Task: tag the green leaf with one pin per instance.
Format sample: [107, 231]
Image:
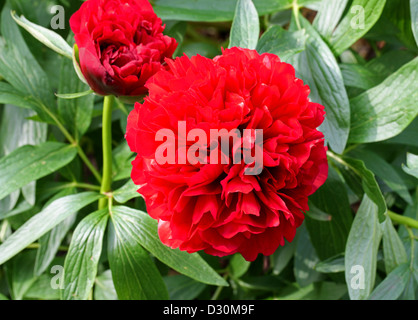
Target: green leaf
[386, 110]
[104, 288]
[83, 256]
[385, 172]
[245, 28]
[21, 69]
[49, 38]
[334, 264]
[393, 285]
[360, 18]
[12, 96]
[282, 43]
[305, 260]
[329, 237]
[183, 288]
[318, 67]
[356, 173]
[361, 251]
[411, 167]
[359, 76]
[134, 273]
[281, 258]
[49, 244]
[414, 18]
[20, 274]
[71, 96]
[41, 289]
[144, 230]
[29, 163]
[44, 221]
[328, 16]
[393, 249]
[239, 266]
[127, 192]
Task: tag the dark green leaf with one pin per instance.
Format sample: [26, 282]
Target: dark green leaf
[134, 273]
[83, 256]
[44, 221]
[183, 288]
[359, 76]
[281, 258]
[329, 237]
[144, 230]
[29, 163]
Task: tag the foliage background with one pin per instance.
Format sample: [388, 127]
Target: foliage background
[365, 215]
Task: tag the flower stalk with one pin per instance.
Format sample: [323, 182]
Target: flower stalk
[107, 149]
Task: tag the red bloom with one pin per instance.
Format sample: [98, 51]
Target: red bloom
[121, 45]
[216, 207]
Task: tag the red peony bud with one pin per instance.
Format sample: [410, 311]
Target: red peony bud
[120, 44]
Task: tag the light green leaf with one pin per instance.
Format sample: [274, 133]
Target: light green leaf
[386, 110]
[359, 76]
[414, 18]
[305, 260]
[71, 96]
[411, 167]
[44, 221]
[239, 266]
[104, 288]
[328, 16]
[281, 258]
[334, 264]
[245, 28]
[144, 230]
[282, 43]
[29, 163]
[393, 249]
[83, 256]
[318, 68]
[360, 18]
[48, 37]
[41, 289]
[393, 285]
[127, 192]
[134, 273]
[21, 69]
[361, 251]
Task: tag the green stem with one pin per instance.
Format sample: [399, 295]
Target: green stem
[397, 218]
[219, 289]
[73, 141]
[107, 149]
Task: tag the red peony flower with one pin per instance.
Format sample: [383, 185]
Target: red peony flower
[121, 45]
[218, 207]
